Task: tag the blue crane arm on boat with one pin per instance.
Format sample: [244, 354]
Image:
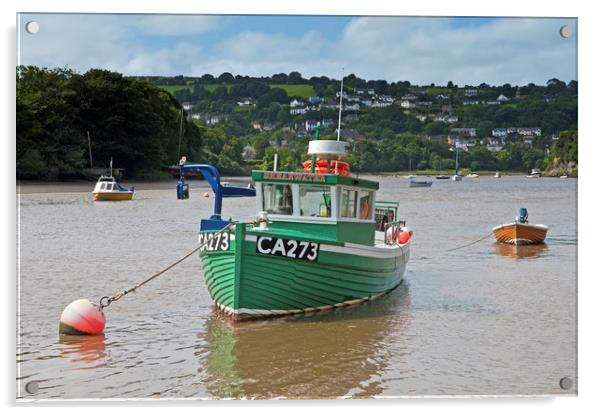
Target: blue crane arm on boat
[211, 174]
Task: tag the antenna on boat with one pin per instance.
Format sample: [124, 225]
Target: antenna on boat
[111, 167]
[340, 106]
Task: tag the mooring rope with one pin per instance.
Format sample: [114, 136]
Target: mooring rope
[106, 300]
[472, 243]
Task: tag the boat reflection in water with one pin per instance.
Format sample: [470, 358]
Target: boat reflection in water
[324, 355]
[521, 251]
[84, 350]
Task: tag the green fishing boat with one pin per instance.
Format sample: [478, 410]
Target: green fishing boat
[319, 240]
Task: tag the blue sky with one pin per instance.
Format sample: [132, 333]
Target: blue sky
[419, 49]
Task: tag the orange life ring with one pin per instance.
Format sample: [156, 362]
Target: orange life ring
[338, 164]
[336, 167]
[319, 163]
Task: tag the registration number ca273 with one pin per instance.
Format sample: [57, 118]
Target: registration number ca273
[289, 248]
[214, 241]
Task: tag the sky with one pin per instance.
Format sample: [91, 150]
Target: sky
[422, 50]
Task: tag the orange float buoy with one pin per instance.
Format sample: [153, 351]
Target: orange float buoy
[206, 194]
[404, 237]
[82, 317]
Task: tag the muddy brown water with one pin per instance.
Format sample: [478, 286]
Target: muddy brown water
[486, 319]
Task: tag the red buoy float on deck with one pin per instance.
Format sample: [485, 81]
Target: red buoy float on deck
[82, 317]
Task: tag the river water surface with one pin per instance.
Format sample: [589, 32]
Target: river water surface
[487, 319]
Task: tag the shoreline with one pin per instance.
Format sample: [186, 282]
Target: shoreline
[27, 187]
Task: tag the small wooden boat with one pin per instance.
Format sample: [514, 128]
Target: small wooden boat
[107, 189]
[420, 183]
[520, 232]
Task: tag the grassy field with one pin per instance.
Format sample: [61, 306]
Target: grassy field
[213, 87]
[293, 90]
[296, 90]
[210, 87]
[173, 88]
[439, 90]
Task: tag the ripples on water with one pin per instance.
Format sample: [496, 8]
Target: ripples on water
[487, 319]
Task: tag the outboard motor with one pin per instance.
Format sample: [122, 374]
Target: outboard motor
[523, 216]
[182, 189]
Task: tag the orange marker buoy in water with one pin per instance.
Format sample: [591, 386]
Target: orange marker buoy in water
[82, 317]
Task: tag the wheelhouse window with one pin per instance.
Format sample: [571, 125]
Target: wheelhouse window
[315, 201]
[277, 198]
[348, 203]
[365, 204]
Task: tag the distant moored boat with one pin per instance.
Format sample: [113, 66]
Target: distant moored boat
[107, 189]
[420, 183]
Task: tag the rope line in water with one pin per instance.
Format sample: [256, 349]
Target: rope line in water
[472, 243]
[106, 301]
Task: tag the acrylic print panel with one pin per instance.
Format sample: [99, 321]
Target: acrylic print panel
[303, 283]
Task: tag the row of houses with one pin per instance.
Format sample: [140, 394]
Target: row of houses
[446, 118]
[464, 138]
[209, 119]
[523, 131]
[493, 144]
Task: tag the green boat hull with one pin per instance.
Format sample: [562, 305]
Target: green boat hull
[246, 284]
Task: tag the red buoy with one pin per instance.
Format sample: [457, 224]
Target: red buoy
[206, 194]
[82, 317]
[404, 237]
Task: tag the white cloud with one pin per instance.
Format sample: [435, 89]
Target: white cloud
[175, 25]
[421, 50]
[115, 42]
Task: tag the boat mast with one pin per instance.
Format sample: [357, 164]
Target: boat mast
[180, 138]
[340, 106]
[90, 148]
[456, 158]
[111, 167]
